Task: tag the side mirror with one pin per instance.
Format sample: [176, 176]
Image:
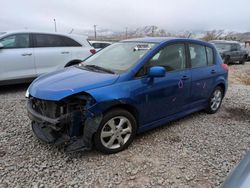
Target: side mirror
[157, 71]
[1, 45]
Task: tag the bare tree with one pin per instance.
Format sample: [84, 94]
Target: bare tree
[187, 34]
[213, 35]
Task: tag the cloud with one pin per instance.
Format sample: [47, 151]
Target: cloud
[116, 15]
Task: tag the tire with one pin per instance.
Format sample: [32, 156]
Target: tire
[112, 136]
[243, 60]
[215, 100]
[226, 60]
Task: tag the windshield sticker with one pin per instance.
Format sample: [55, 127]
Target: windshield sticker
[142, 47]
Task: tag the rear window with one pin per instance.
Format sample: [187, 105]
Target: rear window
[222, 46]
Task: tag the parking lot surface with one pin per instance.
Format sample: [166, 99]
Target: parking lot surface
[195, 151]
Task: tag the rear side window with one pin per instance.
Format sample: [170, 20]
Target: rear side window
[171, 57]
[210, 56]
[197, 55]
[16, 41]
[70, 42]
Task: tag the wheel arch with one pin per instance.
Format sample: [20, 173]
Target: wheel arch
[128, 107]
[223, 87]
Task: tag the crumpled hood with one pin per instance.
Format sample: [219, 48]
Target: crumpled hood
[60, 84]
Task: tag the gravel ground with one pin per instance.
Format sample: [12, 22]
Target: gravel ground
[196, 151]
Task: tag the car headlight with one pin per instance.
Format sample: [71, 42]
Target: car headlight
[27, 94]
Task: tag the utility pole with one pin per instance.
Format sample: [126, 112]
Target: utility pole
[126, 33]
[55, 24]
[95, 31]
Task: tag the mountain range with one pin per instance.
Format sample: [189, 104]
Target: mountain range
[152, 30]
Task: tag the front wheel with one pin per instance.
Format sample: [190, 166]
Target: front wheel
[243, 60]
[116, 131]
[215, 100]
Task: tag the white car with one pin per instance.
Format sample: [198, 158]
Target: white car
[98, 45]
[26, 55]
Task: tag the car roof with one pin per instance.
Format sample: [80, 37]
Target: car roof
[105, 42]
[79, 38]
[149, 39]
[224, 41]
[164, 39]
[42, 32]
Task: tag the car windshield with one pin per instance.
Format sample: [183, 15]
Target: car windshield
[222, 47]
[118, 57]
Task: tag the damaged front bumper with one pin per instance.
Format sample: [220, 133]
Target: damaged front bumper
[67, 123]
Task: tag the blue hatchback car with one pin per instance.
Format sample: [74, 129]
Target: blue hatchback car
[129, 87]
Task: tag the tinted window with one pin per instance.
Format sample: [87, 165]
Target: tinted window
[171, 57]
[238, 47]
[44, 40]
[210, 56]
[197, 55]
[16, 41]
[233, 47]
[222, 46]
[96, 45]
[70, 42]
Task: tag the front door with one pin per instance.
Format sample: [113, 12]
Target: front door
[163, 96]
[16, 58]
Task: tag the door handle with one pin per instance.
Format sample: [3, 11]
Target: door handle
[64, 52]
[185, 78]
[27, 54]
[213, 71]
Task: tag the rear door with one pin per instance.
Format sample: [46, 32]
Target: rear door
[204, 72]
[51, 52]
[17, 57]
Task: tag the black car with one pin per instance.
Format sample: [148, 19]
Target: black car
[230, 51]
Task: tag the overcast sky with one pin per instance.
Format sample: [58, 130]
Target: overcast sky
[171, 15]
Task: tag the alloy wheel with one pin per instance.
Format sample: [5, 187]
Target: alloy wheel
[116, 132]
[216, 99]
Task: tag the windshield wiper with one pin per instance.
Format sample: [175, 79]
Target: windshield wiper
[100, 68]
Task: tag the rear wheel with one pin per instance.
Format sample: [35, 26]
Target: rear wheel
[116, 131]
[226, 60]
[215, 100]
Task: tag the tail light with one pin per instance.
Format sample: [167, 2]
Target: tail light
[93, 51]
[224, 66]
